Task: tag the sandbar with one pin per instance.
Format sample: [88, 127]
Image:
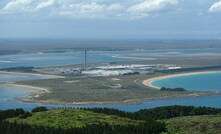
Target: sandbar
[133, 57]
[35, 74]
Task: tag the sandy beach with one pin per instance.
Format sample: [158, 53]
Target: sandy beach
[26, 86]
[149, 81]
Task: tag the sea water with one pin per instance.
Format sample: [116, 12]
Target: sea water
[196, 82]
[10, 93]
[69, 58]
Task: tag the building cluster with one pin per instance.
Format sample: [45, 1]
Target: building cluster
[110, 70]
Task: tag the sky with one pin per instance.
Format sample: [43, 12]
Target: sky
[132, 19]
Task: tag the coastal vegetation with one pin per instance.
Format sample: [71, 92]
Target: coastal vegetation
[99, 90]
[160, 113]
[39, 109]
[203, 124]
[172, 89]
[171, 119]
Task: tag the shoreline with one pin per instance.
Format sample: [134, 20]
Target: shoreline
[126, 102]
[35, 74]
[31, 94]
[148, 82]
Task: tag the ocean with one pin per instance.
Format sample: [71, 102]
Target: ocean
[196, 82]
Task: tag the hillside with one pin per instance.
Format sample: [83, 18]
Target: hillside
[72, 118]
[162, 120]
[204, 124]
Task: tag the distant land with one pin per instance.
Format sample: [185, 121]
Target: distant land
[29, 45]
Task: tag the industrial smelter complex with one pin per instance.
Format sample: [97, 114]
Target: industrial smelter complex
[110, 69]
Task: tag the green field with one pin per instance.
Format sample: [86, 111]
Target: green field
[204, 124]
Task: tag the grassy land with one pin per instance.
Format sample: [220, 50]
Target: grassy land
[69, 118]
[206, 124]
[101, 90]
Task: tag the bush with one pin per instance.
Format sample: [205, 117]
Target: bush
[25, 115]
[39, 109]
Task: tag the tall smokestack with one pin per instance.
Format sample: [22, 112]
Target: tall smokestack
[85, 60]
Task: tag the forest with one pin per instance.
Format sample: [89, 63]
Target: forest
[150, 118]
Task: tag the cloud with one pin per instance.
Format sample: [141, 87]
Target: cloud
[16, 5]
[82, 10]
[144, 8]
[75, 9]
[152, 5]
[45, 4]
[216, 7]
[90, 10]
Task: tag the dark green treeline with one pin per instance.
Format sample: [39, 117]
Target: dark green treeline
[151, 126]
